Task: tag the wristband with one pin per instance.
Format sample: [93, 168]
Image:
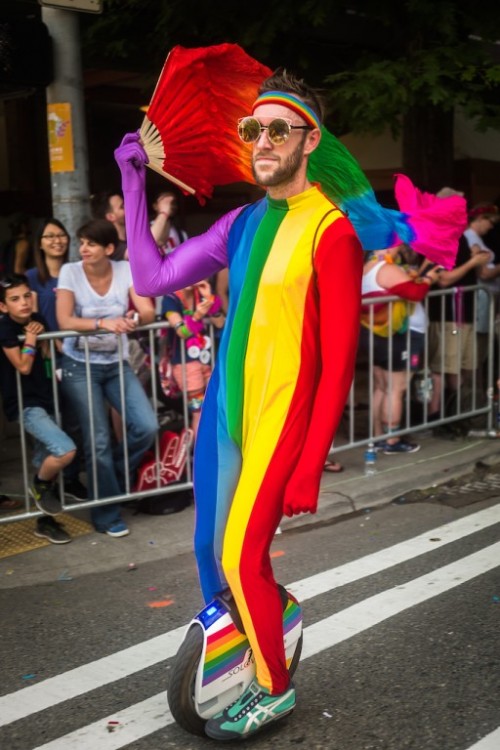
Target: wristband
[184, 330]
[97, 321]
[27, 349]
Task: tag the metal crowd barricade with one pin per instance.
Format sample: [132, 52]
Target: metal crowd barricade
[349, 435]
[152, 330]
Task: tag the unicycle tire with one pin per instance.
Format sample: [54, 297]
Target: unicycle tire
[180, 692]
[296, 657]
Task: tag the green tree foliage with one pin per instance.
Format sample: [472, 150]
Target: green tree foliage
[377, 59]
[443, 57]
[407, 65]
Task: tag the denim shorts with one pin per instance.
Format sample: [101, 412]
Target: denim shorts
[49, 439]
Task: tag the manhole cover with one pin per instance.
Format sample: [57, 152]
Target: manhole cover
[481, 484]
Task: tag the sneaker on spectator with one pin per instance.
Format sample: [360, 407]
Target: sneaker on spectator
[400, 447]
[117, 529]
[48, 528]
[255, 708]
[46, 498]
[75, 489]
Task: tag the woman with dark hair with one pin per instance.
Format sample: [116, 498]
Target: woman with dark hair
[51, 252]
[93, 296]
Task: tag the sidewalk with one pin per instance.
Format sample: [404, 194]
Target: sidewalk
[156, 538]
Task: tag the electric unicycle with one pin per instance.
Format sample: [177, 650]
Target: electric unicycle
[215, 664]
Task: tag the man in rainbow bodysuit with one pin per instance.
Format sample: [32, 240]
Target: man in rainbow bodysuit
[284, 369]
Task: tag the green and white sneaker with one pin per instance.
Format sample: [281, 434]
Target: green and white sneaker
[253, 710]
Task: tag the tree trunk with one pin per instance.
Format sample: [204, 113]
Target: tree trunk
[428, 147]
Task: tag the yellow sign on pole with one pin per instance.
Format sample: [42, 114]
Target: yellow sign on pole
[60, 129]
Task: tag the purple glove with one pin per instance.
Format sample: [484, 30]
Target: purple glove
[132, 159]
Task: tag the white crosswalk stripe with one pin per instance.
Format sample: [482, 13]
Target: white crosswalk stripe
[490, 742]
[323, 634]
[148, 716]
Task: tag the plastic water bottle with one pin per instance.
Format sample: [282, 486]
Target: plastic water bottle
[370, 460]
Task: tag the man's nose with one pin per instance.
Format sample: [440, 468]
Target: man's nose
[263, 139]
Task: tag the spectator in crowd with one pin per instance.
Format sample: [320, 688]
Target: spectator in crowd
[93, 295]
[109, 205]
[51, 245]
[53, 449]
[51, 251]
[482, 219]
[451, 354]
[188, 312]
[222, 288]
[383, 276]
[492, 237]
[165, 227]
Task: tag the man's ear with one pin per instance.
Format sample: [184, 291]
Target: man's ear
[312, 141]
[3, 307]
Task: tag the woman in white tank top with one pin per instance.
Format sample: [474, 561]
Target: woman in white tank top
[382, 276]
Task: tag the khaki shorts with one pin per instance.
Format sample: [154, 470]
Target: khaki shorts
[445, 341]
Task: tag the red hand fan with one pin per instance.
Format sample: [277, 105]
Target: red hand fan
[190, 129]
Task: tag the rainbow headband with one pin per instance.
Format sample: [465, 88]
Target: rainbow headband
[290, 101]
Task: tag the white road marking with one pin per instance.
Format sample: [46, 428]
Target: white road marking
[369, 612]
[490, 742]
[318, 637]
[80, 680]
[70, 684]
[133, 723]
[320, 583]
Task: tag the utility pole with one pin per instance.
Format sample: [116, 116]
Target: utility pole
[70, 182]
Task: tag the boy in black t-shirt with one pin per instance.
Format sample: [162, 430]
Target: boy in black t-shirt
[53, 449]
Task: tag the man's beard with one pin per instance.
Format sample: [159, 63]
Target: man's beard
[285, 172]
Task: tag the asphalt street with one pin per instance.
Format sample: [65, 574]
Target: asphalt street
[401, 645]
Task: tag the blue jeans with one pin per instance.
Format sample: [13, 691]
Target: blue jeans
[138, 417]
[49, 439]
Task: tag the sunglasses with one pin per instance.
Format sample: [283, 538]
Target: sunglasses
[278, 130]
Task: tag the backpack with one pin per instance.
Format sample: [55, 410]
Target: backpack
[168, 470]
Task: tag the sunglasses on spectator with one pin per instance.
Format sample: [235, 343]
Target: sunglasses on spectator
[278, 130]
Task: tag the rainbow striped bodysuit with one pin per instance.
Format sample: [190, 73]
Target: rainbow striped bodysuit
[283, 372]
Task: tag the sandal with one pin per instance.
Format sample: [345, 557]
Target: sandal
[333, 467]
[8, 504]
